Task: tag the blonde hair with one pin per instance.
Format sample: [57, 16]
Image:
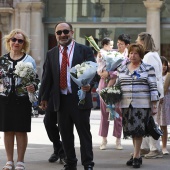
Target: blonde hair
[26, 45]
[148, 42]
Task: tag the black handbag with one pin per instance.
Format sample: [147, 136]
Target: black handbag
[153, 129]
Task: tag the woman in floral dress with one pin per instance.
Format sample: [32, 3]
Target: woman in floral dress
[15, 109]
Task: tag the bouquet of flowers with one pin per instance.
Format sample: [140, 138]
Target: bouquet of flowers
[112, 59]
[82, 75]
[111, 95]
[27, 75]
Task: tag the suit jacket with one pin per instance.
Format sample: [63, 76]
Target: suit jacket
[139, 92]
[51, 75]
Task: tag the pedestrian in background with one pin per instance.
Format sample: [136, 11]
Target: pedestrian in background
[163, 117]
[52, 129]
[150, 147]
[51, 126]
[107, 47]
[123, 41]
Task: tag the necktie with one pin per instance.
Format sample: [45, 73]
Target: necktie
[63, 71]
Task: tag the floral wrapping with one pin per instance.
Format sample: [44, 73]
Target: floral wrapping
[82, 75]
[113, 60]
[27, 75]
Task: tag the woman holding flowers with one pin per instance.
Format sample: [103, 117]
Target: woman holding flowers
[107, 45]
[139, 97]
[15, 107]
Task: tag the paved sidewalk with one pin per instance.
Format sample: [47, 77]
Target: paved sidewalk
[40, 148]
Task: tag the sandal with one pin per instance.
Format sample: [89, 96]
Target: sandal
[20, 166]
[9, 165]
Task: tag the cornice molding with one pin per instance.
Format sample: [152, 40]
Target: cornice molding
[7, 10]
[153, 4]
[37, 6]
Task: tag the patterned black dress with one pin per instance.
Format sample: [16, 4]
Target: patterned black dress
[134, 121]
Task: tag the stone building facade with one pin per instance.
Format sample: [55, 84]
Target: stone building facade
[98, 18]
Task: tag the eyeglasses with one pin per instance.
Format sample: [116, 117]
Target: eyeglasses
[20, 41]
[59, 32]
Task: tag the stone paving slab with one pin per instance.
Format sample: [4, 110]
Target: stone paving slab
[40, 148]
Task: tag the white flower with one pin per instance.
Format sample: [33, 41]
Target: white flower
[28, 65]
[77, 66]
[79, 74]
[25, 70]
[81, 68]
[22, 73]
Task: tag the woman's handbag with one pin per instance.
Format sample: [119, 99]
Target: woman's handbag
[153, 129]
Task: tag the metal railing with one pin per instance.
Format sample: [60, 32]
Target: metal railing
[6, 3]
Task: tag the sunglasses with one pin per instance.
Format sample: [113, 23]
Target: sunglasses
[20, 41]
[64, 32]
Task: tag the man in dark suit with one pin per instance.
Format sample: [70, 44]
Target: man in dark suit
[65, 99]
[50, 122]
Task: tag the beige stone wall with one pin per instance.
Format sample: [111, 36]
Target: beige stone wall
[26, 15]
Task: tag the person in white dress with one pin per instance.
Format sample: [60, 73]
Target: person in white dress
[150, 147]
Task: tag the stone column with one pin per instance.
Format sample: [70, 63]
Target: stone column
[37, 35]
[153, 19]
[69, 11]
[84, 8]
[5, 24]
[24, 13]
[105, 10]
[75, 10]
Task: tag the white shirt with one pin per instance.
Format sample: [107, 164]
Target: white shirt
[154, 60]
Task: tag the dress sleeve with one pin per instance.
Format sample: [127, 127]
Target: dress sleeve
[152, 84]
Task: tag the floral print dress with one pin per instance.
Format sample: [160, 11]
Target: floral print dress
[163, 118]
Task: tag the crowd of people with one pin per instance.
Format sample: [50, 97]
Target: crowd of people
[143, 78]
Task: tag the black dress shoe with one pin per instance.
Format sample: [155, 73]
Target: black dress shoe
[53, 158]
[67, 167]
[130, 161]
[136, 163]
[89, 167]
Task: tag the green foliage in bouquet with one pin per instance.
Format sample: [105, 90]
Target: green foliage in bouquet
[93, 43]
